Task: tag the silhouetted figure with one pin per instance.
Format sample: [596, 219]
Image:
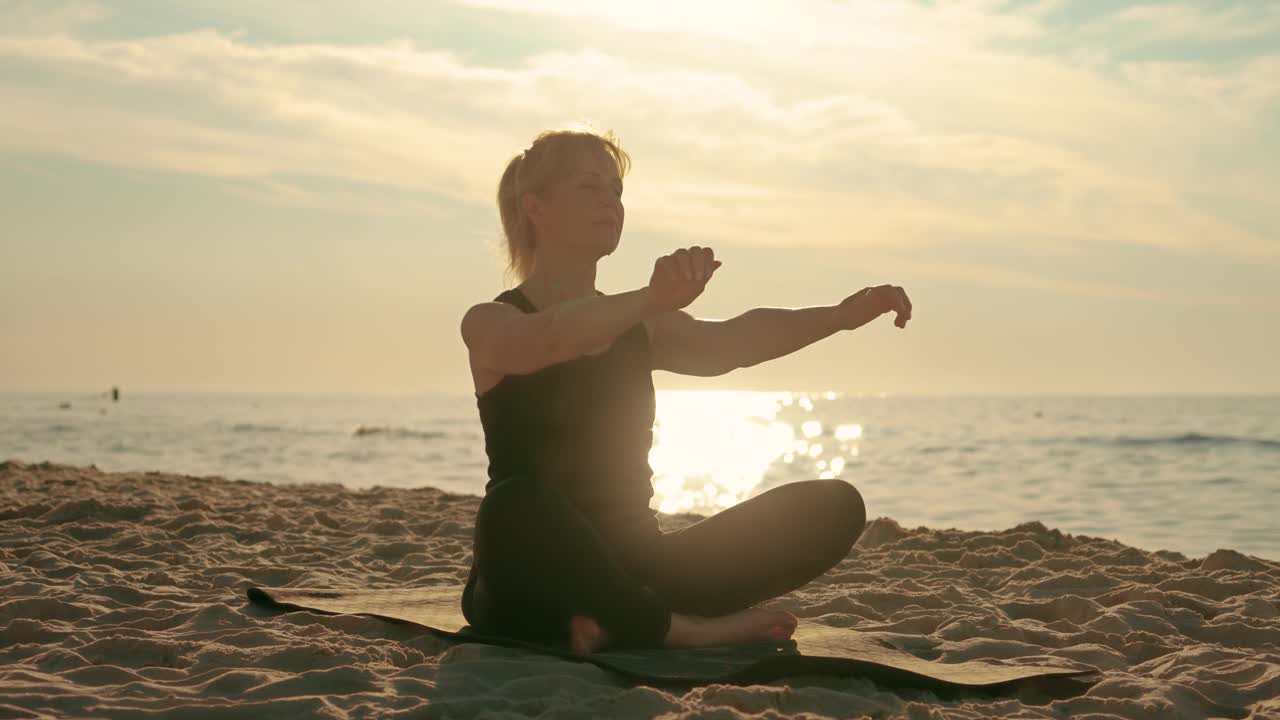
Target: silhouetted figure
[115, 394]
[566, 549]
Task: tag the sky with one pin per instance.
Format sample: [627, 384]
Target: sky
[236, 196]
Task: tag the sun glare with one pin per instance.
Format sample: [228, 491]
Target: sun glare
[713, 448]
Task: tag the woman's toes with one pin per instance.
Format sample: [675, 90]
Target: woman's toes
[585, 635]
[782, 625]
[782, 617]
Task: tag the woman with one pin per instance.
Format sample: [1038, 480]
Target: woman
[566, 549]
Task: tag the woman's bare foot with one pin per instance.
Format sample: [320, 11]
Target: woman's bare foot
[750, 624]
[585, 635]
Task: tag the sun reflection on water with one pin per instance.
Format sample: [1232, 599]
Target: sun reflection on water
[712, 448]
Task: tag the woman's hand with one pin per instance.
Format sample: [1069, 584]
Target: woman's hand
[679, 278]
[870, 303]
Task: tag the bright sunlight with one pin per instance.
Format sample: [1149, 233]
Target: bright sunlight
[713, 449]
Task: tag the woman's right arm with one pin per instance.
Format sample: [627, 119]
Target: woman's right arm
[507, 340]
[503, 338]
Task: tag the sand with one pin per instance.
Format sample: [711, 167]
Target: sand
[125, 597]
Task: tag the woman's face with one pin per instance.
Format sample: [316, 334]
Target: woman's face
[586, 207]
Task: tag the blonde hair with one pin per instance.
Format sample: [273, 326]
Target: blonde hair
[548, 159]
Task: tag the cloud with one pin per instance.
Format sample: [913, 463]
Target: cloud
[1194, 22]
[789, 24]
[950, 142]
[1006, 277]
[1241, 97]
[42, 16]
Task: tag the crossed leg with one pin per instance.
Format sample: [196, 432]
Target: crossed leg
[549, 577]
[761, 548]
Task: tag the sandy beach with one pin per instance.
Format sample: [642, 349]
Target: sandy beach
[125, 597]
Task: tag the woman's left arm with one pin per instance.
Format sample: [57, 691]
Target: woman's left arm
[689, 346]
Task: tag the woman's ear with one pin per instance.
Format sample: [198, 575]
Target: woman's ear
[533, 207]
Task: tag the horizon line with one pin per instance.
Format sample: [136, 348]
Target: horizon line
[102, 394]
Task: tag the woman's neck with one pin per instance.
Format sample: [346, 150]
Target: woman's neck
[554, 286]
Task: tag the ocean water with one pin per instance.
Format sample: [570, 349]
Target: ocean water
[1190, 474]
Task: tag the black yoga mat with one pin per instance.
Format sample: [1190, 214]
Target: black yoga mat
[813, 650]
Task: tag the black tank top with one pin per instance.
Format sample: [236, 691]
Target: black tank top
[584, 425]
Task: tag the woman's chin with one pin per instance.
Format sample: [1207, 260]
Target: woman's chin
[608, 242]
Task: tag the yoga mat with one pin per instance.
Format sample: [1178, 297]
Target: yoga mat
[813, 650]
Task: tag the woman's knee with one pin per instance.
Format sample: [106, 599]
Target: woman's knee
[848, 510]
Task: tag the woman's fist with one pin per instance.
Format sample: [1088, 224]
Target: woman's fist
[870, 303]
[679, 278]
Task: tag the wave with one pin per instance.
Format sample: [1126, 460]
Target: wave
[256, 428]
[932, 449]
[1190, 439]
[359, 431]
[364, 430]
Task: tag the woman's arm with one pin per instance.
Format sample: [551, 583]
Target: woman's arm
[677, 280]
[584, 324]
[504, 339]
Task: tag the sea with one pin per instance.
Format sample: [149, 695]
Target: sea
[1189, 474]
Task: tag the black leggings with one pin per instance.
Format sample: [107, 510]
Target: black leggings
[537, 561]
